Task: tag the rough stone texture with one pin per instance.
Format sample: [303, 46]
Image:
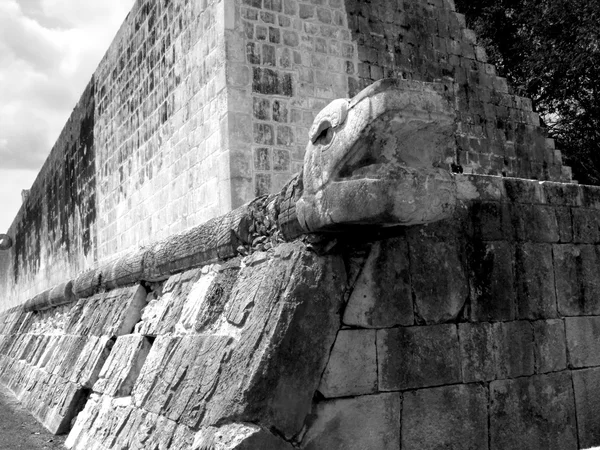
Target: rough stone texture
[352, 365]
[550, 346]
[439, 294]
[122, 368]
[514, 341]
[534, 412]
[257, 342]
[334, 423]
[382, 293]
[583, 334]
[496, 350]
[379, 158]
[492, 281]
[586, 384]
[238, 437]
[478, 355]
[576, 270]
[445, 417]
[417, 357]
[536, 295]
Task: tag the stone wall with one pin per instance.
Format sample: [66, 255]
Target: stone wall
[199, 106]
[480, 331]
[142, 156]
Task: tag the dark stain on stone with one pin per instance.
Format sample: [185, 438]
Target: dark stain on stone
[61, 211]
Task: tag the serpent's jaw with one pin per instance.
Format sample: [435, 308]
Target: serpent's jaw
[380, 160]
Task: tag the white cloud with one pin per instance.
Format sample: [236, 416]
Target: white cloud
[49, 50]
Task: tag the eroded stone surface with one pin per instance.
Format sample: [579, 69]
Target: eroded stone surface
[586, 384]
[378, 158]
[368, 421]
[382, 293]
[535, 412]
[445, 417]
[352, 365]
[416, 357]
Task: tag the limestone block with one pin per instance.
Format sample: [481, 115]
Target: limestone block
[563, 194]
[490, 220]
[496, 350]
[286, 340]
[87, 367]
[480, 187]
[237, 436]
[541, 224]
[352, 365]
[514, 341]
[565, 223]
[536, 412]
[113, 313]
[586, 226]
[365, 422]
[445, 417]
[101, 424]
[439, 294]
[416, 357]
[586, 384]
[121, 369]
[536, 296]
[477, 347]
[382, 294]
[491, 281]
[576, 270]
[550, 346]
[58, 419]
[583, 335]
[83, 423]
[164, 310]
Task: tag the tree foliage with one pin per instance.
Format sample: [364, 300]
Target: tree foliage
[549, 50]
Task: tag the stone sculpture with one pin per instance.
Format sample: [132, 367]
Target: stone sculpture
[380, 159]
[5, 242]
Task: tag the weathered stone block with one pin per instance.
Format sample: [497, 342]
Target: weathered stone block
[365, 422]
[536, 296]
[550, 348]
[565, 223]
[352, 365]
[418, 357]
[543, 225]
[445, 417]
[439, 294]
[272, 357]
[496, 350]
[122, 368]
[586, 225]
[583, 335]
[576, 269]
[382, 294]
[492, 281]
[534, 412]
[523, 191]
[490, 221]
[514, 341]
[586, 384]
[91, 360]
[237, 436]
[477, 351]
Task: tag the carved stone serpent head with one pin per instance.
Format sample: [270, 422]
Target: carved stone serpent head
[381, 158]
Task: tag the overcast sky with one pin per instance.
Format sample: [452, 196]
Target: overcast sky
[49, 50]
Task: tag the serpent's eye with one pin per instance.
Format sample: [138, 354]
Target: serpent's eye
[324, 135]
